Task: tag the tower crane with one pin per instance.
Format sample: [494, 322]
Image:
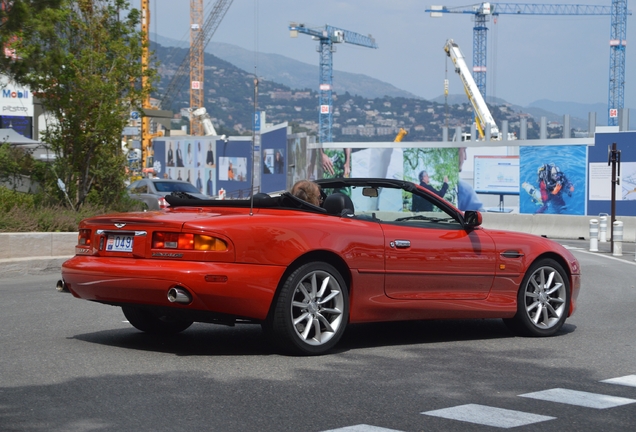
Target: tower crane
[197, 45]
[618, 42]
[483, 11]
[197, 55]
[327, 37]
[200, 36]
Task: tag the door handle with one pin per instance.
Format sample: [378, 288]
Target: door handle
[400, 244]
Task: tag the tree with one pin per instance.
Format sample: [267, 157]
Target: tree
[82, 59]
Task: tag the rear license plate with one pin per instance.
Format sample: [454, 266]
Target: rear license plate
[119, 243]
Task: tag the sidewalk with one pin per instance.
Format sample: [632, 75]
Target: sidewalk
[15, 267]
[34, 253]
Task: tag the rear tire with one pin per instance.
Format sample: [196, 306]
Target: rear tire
[146, 321]
[543, 301]
[311, 311]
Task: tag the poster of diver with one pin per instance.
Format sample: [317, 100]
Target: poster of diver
[552, 179]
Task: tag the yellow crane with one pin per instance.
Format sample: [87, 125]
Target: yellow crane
[401, 134]
[145, 120]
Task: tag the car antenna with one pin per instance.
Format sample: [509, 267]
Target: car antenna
[254, 146]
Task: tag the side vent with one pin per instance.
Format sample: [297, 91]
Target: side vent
[511, 254]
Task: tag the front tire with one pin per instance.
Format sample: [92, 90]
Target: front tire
[543, 301]
[311, 311]
[146, 321]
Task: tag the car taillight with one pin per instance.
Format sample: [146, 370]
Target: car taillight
[183, 241]
[163, 203]
[84, 237]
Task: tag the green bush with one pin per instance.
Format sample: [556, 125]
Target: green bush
[20, 212]
[10, 199]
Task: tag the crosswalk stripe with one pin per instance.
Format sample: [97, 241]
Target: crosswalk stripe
[489, 416]
[629, 380]
[580, 398]
[362, 428]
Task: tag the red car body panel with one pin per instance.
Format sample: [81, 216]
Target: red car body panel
[447, 273]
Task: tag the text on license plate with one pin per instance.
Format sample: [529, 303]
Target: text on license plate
[119, 243]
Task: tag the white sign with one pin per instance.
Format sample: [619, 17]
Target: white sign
[130, 130]
[497, 174]
[601, 182]
[15, 100]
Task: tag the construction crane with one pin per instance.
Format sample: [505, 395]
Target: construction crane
[203, 37]
[146, 135]
[200, 36]
[618, 42]
[483, 11]
[483, 117]
[327, 37]
[197, 56]
[400, 135]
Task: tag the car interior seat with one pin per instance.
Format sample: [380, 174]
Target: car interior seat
[338, 204]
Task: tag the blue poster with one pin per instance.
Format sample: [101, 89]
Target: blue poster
[274, 163]
[553, 179]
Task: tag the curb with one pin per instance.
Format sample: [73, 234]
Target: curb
[14, 267]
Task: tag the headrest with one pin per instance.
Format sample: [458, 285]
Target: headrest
[337, 202]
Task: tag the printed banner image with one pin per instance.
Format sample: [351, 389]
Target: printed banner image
[552, 179]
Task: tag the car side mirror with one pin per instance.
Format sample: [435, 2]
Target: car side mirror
[472, 218]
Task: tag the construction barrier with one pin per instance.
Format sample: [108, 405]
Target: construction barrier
[618, 239]
[593, 235]
[603, 229]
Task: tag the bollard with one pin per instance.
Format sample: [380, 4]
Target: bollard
[593, 235]
[618, 239]
[602, 237]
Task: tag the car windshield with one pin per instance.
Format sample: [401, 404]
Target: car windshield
[167, 186]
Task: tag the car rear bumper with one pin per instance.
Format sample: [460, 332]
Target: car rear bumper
[241, 290]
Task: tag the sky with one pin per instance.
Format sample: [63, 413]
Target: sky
[530, 57]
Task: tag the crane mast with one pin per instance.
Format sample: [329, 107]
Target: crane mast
[327, 37]
[196, 64]
[145, 120]
[483, 117]
[204, 35]
[618, 43]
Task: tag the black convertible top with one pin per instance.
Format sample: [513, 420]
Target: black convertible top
[261, 200]
[287, 200]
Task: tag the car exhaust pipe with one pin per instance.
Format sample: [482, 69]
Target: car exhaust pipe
[61, 287]
[179, 295]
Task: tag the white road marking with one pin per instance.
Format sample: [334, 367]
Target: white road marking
[362, 428]
[580, 398]
[489, 416]
[629, 380]
[612, 257]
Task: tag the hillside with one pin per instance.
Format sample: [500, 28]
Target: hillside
[298, 75]
[358, 115]
[292, 73]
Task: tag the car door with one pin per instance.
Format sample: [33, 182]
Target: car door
[437, 260]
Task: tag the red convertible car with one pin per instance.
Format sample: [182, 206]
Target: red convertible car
[305, 272]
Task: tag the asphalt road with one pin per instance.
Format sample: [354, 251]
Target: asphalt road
[70, 365]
